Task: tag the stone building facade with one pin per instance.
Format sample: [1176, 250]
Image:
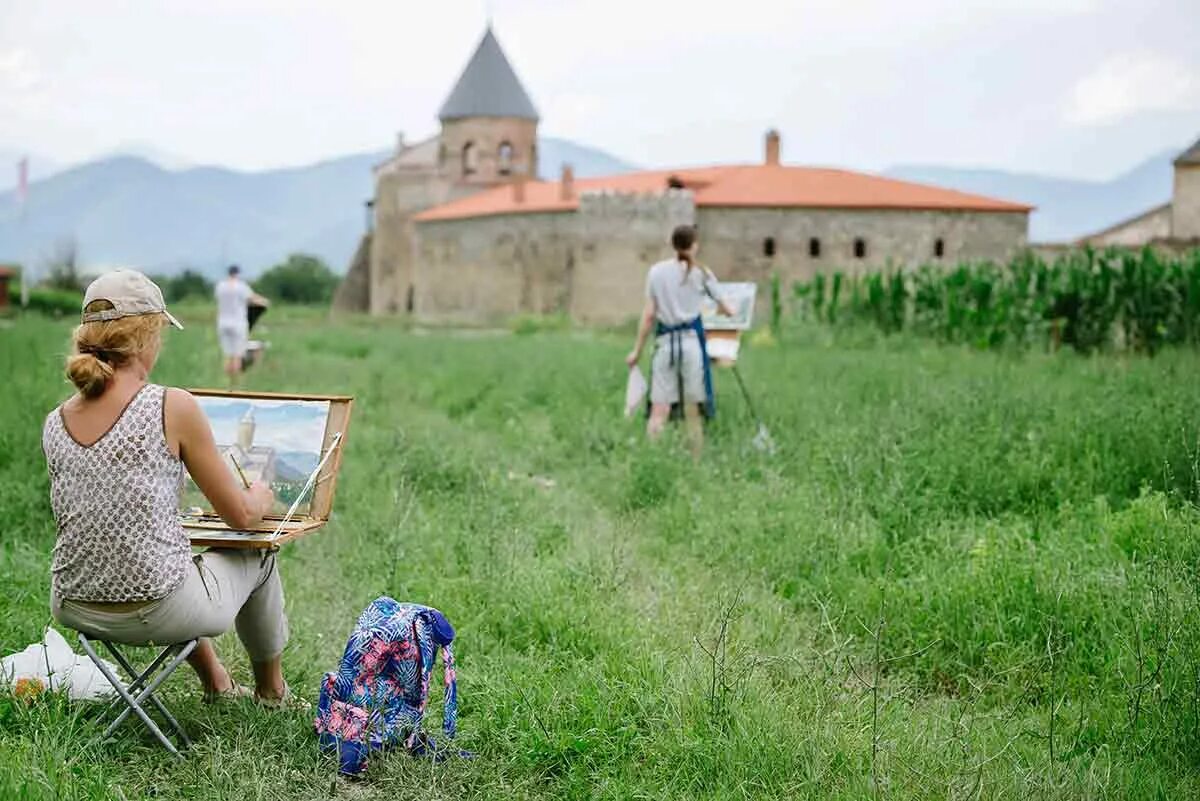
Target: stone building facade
[1174, 225]
[464, 232]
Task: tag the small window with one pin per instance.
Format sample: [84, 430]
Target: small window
[814, 248]
[769, 247]
[533, 164]
[470, 159]
[939, 248]
[860, 248]
[505, 158]
[441, 155]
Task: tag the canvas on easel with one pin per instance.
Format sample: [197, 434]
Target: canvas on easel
[724, 332]
[293, 443]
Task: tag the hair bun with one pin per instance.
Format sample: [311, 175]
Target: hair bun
[89, 375]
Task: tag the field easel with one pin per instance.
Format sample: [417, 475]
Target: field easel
[724, 336]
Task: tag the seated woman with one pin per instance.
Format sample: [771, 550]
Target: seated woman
[123, 569]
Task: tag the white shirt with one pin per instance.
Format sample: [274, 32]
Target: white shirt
[233, 301]
[678, 292]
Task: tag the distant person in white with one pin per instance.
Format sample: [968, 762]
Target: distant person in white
[234, 297]
[675, 290]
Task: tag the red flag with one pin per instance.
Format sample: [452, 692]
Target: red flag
[22, 180]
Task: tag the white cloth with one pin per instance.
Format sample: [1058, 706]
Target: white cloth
[233, 301]
[678, 292]
[635, 391]
[665, 377]
[52, 664]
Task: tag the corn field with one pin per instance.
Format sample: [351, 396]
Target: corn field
[1087, 300]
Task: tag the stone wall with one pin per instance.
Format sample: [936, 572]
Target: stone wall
[354, 292]
[592, 264]
[736, 243]
[490, 268]
[1185, 204]
[398, 196]
[620, 236]
[1142, 229]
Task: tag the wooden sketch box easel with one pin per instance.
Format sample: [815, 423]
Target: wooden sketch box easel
[294, 443]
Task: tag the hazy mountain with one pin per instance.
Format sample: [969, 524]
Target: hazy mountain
[1066, 208]
[126, 210]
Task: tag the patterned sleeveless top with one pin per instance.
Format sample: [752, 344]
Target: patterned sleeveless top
[116, 504]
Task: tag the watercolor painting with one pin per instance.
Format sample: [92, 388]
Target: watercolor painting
[738, 296]
[277, 441]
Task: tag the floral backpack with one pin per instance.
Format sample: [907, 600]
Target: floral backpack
[377, 698]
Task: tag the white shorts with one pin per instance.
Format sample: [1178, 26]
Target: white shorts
[665, 377]
[233, 340]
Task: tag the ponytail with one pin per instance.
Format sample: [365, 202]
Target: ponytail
[682, 239]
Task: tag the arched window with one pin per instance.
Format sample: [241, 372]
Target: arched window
[814, 248]
[860, 248]
[470, 159]
[441, 155]
[939, 248]
[532, 169]
[504, 159]
[769, 247]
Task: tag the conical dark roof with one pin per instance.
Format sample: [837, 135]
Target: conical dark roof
[488, 87]
[1191, 155]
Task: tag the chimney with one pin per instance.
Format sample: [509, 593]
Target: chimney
[568, 182]
[400, 142]
[772, 148]
[518, 189]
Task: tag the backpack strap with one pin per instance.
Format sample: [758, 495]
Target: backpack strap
[450, 705]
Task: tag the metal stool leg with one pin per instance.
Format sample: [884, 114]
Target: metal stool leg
[138, 679]
[133, 704]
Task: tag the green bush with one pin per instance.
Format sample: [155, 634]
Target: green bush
[55, 302]
[300, 279]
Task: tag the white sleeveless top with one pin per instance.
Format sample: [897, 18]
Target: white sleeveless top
[116, 504]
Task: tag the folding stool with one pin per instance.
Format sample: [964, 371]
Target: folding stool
[142, 687]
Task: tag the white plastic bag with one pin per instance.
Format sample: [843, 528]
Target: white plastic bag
[635, 391]
[54, 665]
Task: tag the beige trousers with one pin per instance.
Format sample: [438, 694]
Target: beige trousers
[225, 587]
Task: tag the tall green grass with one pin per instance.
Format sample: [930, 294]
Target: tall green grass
[963, 574]
[1088, 300]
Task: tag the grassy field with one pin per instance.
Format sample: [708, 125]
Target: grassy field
[963, 575]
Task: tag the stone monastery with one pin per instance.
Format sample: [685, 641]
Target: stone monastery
[464, 230]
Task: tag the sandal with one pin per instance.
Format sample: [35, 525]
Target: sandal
[287, 701]
[236, 692]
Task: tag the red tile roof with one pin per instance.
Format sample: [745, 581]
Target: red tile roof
[761, 186]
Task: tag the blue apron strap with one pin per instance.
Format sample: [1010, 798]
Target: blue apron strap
[710, 398]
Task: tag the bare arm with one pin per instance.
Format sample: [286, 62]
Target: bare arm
[188, 430]
[258, 300]
[644, 325]
[712, 288]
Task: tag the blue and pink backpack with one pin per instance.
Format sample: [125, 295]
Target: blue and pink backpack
[377, 698]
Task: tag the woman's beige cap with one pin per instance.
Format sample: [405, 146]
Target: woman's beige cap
[130, 294]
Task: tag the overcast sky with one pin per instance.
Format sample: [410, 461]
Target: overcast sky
[1071, 87]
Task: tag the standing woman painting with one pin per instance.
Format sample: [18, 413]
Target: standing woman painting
[679, 371]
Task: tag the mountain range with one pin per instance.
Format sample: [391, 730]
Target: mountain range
[163, 217]
[127, 210]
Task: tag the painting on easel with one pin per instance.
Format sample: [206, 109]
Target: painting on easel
[724, 333]
[290, 442]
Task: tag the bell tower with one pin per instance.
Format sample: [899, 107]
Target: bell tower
[489, 124]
